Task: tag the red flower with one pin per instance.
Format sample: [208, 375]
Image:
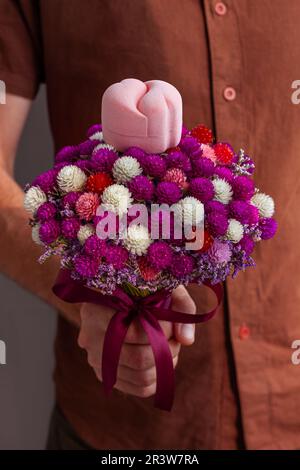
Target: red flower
[203, 134]
[148, 273]
[98, 182]
[224, 153]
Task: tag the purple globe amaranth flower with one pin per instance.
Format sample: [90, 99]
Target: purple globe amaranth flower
[46, 181]
[94, 246]
[247, 244]
[49, 231]
[46, 211]
[87, 147]
[60, 165]
[84, 165]
[215, 206]
[202, 189]
[70, 199]
[67, 154]
[243, 212]
[182, 265]
[141, 188]
[70, 227]
[202, 166]
[243, 188]
[167, 193]
[177, 159]
[217, 223]
[154, 166]
[189, 144]
[93, 129]
[220, 252]
[224, 173]
[268, 228]
[116, 255]
[136, 152]
[103, 160]
[86, 266]
[159, 255]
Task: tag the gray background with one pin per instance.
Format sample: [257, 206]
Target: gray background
[26, 324]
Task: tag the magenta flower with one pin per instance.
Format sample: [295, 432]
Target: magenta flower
[217, 223]
[247, 244]
[46, 211]
[116, 255]
[182, 265]
[243, 188]
[46, 181]
[268, 228]
[70, 227]
[154, 166]
[86, 266]
[168, 193]
[141, 188]
[94, 246]
[202, 189]
[49, 231]
[159, 255]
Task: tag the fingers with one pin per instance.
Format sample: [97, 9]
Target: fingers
[183, 302]
[136, 357]
[137, 383]
[95, 319]
[137, 335]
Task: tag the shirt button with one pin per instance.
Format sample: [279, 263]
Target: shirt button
[220, 8]
[229, 93]
[244, 332]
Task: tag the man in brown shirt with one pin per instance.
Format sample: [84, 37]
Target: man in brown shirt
[233, 62]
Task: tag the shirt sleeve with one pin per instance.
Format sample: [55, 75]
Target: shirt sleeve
[21, 67]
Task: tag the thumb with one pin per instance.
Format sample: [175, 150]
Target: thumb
[183, 302]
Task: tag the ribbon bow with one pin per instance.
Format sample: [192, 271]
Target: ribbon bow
[148, 311]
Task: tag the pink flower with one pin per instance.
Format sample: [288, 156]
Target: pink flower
[208, 152]
[175, 175]
[86, 205]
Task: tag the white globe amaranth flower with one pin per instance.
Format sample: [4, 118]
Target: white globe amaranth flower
[126, 168]
[116, 198]
[137, 240]
[85, 232]
[97, 136]
[235, 231]
[33, 199]
[264, 203]
[71, 178]
[189, 210]
[104, 146]
[35, 234]
[223, 190]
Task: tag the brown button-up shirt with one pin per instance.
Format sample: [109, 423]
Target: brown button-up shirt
[234, 64]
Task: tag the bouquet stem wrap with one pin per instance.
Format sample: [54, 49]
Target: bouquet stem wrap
[148, 311]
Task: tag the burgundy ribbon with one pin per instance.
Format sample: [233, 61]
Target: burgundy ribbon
[148, 310]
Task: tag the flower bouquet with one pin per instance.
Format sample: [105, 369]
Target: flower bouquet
[140, 206]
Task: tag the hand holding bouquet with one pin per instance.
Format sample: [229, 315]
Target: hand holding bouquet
[142, 206]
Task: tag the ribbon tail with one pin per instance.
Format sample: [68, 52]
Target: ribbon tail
[112, 346]
[165, 376]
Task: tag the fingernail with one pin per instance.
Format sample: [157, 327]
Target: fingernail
[188, 331]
